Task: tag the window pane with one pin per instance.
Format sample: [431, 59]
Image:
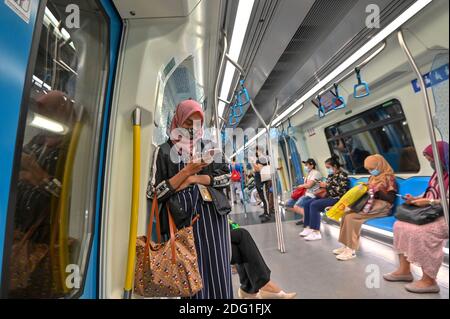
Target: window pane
[54, 210]
[381, 130]
[181, 85]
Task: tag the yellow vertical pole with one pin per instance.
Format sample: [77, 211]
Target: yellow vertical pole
[134, 204]
[64, 202]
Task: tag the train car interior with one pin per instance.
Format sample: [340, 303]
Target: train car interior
[90, 105]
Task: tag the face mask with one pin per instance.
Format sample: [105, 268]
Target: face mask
[374, 172]
[187, 133]
[307, 169]
[330, 171]
[433, 165]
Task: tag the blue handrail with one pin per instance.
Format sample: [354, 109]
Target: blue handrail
[242, 98]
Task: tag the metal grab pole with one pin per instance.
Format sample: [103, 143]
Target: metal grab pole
[279, 227]
[127, 292]
[429, 121]
[278, 220]
[278, 223]
[216, 102]
[288, 154]
[216, 91]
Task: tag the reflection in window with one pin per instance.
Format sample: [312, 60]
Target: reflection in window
[381, 130]
[180, 86]
[54, 204]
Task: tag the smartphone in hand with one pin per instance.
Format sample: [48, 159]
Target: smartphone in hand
[207, 156]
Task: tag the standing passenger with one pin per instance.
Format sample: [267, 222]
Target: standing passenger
[176, 180]
[269, 211]
[423, 244]
[257, 166]
[382, 191]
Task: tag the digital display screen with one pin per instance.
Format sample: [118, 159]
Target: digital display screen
[329, 102]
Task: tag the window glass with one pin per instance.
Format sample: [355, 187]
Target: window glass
[381, 130]
[181, 85]
[54, 209]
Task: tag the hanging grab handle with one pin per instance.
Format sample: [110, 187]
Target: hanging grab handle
[338, 100]
[362, 88]
[320, 106]
[241, 98]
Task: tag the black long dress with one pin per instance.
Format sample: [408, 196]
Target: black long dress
[211, 231]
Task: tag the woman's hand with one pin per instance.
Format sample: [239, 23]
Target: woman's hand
[31, 171]
[27, 161]
[420, 202]
[194, 168]
[409, 199]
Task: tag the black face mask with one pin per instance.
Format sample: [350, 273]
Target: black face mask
[191, 133]
[187, 133]
[433, 165]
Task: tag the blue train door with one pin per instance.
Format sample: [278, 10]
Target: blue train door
[57, 63]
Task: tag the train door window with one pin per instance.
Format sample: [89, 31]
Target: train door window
[181, 85]
[53, 214]
[380, 130]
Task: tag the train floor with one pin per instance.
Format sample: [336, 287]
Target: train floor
[311, 269]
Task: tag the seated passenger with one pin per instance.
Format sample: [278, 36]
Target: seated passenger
[311, 185]
[336, 185]
[382, 190]
[254, 275]
[423, 244]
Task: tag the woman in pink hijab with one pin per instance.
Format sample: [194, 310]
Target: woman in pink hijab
[186, 129]
[177, 180]
[423, 244]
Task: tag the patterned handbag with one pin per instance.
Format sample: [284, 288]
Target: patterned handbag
[167, 269]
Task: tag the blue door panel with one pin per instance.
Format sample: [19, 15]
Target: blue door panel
[15, 46]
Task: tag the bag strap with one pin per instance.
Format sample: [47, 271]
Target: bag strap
[172, 229]
[154, 211]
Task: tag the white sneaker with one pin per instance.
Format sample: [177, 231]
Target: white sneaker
[305, 232]
[346, 255]
[315, 235]
[339, 251]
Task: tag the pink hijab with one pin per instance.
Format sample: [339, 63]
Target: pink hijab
[183, 112]
[433, 186]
